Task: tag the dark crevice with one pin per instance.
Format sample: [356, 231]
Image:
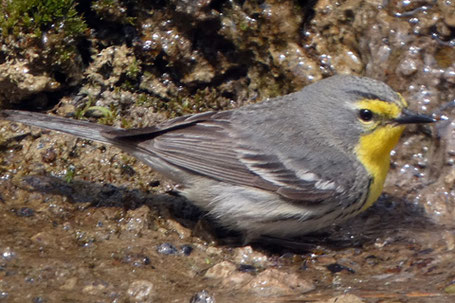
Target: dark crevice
[83, 47]
[217, 5]
[41, 101]
[115, 32]
[308, 10]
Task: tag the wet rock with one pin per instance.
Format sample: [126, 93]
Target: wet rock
[38, 300]
[202, 297]
[3, 295]
[17, 83]
[213, 251]
[110, 64]
[449, 240]
[162, 86]
[226, 272]
[136, 260]
[95, 288]
[141, 291]
[448, 12]
[182, 231]
[138, 220]
[44, 239]
[186, 250]
[236, 280]
[49, 155]
[246, 268]
[197, 9]
[167, 249]
[24, 212]
[69, 284]
[343, 299]
[7, 253]
[246, 255]
[326, 260]
[335, 267]
[273, 282]
[221, 270]
[189, 56]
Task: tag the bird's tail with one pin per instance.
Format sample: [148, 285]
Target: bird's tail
[83, 129]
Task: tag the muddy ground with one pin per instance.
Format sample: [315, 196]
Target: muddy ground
[82, 222]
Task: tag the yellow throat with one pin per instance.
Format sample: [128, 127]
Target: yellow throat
[373, 149]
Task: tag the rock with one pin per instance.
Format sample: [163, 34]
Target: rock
[95, 288]
[110, 64]
[246, 255]
[43, 239]
[221, 270]
[141, 290]
[138, 220]
[343, 299]
[167, 249]
[273, 282]
[69, 284]
[17, 83]
[202, 297]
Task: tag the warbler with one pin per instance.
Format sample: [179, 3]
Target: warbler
[283, 167]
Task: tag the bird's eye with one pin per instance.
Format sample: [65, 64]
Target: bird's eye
[366, 115]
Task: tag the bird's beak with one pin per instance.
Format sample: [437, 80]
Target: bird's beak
[409, 117]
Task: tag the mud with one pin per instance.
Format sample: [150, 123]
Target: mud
[81, 222]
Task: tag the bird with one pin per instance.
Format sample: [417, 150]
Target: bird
[283, 167]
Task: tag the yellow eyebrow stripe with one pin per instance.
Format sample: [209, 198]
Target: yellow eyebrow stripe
[382, 108]
[403, 101]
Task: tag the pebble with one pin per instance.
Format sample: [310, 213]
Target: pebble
[69, 284]
[335, 267]
[138, 220]
[44, 239]
[25, 212]
[167, 249]
[182, 231]
[38, 300]
[202, 297]
[246, 268]
[94, 288]
[273, 282]
[141, 290]
[348, 298]
[221, 270]
[137, 260]
[246, 255]
[236, 280]
[214, 251]
[3, 294]
[186, 250]
[7, 254]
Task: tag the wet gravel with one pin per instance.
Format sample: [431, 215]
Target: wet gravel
[81, 222]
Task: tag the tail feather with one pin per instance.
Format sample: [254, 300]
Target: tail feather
[83, 129]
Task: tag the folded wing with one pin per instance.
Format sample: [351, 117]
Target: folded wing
[206, 144]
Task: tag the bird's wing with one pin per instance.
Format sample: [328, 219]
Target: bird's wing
[206, 145]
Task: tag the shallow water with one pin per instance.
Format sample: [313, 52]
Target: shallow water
[80, 222]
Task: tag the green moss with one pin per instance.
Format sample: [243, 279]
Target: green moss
[450, 289]
[108, 114]
[70, 173]
[53, 25]
[133, 73]
[79, 113]
[37, 16]
[125, 123]
[134, 69]
[113, 10]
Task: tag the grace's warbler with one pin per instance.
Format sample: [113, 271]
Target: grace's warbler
[283, 167]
